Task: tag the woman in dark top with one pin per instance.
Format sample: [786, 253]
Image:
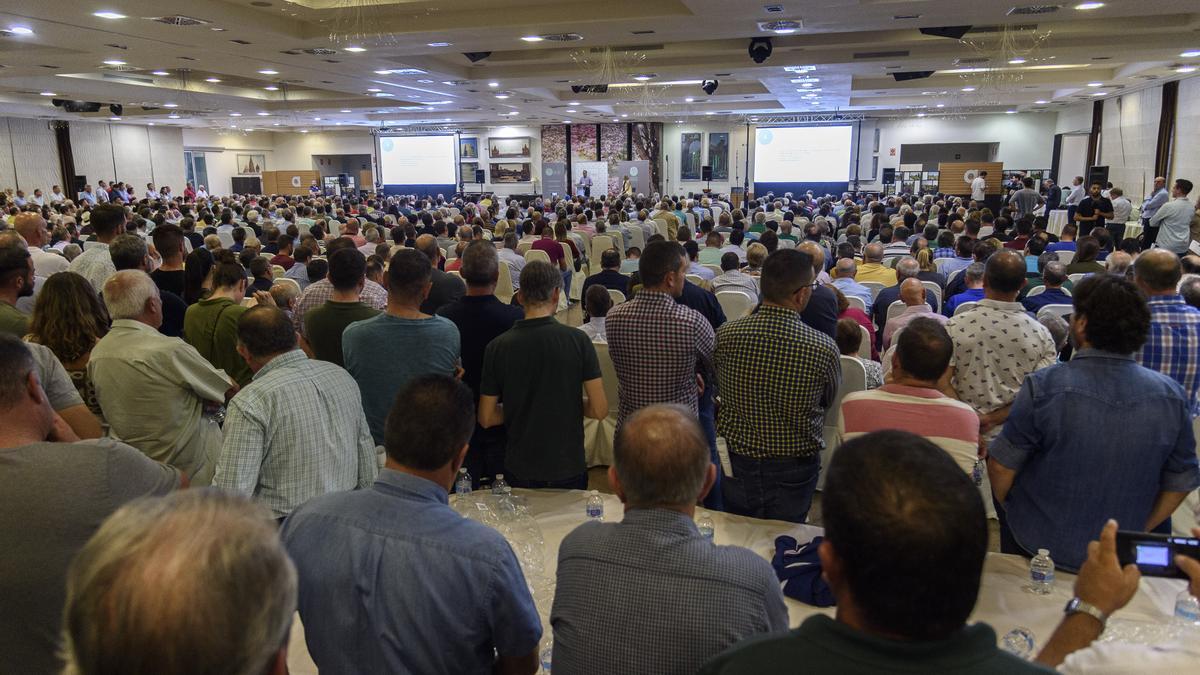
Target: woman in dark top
[1086, 250]
[928, 269]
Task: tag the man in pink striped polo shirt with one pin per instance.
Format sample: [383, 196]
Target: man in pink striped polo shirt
[912, 402]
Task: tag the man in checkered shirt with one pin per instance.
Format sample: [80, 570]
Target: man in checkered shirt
[658, 346]
[650, 594]
[1173, 346]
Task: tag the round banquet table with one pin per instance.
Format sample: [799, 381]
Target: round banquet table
[1055, 221]
[1003, 602]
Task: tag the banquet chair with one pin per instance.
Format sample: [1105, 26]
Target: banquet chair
[735, 304]
[856, 301]
[534, 254]
[617, 296]
[875, 287]
[637, 237]
[664, 229]
[696, 279]
[896, 309]
[1066, 257]
[1184, 518]
[965, 307]
[932, 287]
[598, 434]
[864, 347]
[1038, 290]
[504, 287]
[277, 271]
[524, 246]
[600, 244]
[284, 281]
[1061, 310]
[1078, 277]
[716, 269]
[854, 378]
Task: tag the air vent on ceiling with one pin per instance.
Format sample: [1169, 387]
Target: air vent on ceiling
[290, 52]
[120, 69]
[116, 46]
[643, 32]
[240, 42]
[332, 61]
[881, 55]
[180, 20]
[773, 9]
[562, 37]
[320, 51]
[133, 79]
[785, 25]
[1030, 10]
[1021, 27]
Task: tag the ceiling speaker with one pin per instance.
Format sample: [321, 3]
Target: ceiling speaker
[476, 57]
[710, 86]
[589, 88]
[912, 75]
[952, 32]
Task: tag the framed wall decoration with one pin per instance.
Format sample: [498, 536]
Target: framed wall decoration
[251, 165]
[466, 171]
[516, 172]
[510, 148]
[468, 148]
[718, 155]
[689, 155]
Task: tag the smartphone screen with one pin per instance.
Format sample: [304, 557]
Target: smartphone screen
[1153, 554]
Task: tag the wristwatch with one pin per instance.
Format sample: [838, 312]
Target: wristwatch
[1077, 606]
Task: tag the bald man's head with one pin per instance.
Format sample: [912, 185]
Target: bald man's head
[817, 253]
[1119, 262]
[912, 292]
[907, 268]
[428, 245]
[31, 227]
[1157, 271]
[1004, 275]
[660, 459]
[873, 253]
[846, 268]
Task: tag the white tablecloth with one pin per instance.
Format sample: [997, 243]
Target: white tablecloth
[1056, 220]
[1003, 602]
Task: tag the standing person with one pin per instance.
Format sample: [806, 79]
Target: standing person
[211, 324]
[585, 184]
[95, 264]
[1026, 200]
[1150, 206]
[979, 188]
[1061, 466]
[298, 429]
[1076, 195]
[1173, 343]
[481, 318]
[1093, 210]
[777, 377]
[385, 353]
[1122, 210]
[692, 599]
[16, 282]
[451, 596]
[325, 324]
[538, 370]
[1053, 196]
[1173, 220]
[169, 242]
[32, 229]
[62, 488]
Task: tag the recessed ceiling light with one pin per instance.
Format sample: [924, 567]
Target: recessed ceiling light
[624, 115]
[20, 30]
[1084, 6]
[710, 113]
[316, 119]
[355, 50]
[268, 71]
[940, 105]
[689, 100]
[160, 73]
[1017, 61]
[384, 94]
[345, 110]
[678, 121]
[108, 15]
[920, 114]
[533, 38]
[493, 84]
[149, 124]
[513, 113]
[48, 93]
[1010, 112]
[573, 103]
[214, 80]
[374, 89]
[1095, 84]
[437, 44]
[566, 121]
[1186, 69]
[235, 114]
[262, 113]
[304, 131]
[1190, 54]
[968, 88]
[425, 81]
[115, 119]
[645, 77]
[114, 62]
[616, 119]
[173, 116]
[784, 31]
[1040, 101]
[277, 124]
[383, 72]
[501, 96]
[271, 88]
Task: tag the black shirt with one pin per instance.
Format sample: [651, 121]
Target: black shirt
[196, 238]
[258, 285]
[704, 302]
[480, 319]
[446, 289]
[1088, 208]
[821, 312]
[168, 280]
[610, 279]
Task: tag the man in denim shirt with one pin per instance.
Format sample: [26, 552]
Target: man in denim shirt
[393, 580]
[1068, 458]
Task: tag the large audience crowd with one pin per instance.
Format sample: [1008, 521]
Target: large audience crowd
[328, 365]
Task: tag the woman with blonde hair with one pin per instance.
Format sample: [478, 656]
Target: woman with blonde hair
[69, 319]
[929, 271]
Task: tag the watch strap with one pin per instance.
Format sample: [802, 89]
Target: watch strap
[1077, 606]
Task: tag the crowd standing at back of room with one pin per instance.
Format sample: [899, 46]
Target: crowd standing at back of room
[329, 364]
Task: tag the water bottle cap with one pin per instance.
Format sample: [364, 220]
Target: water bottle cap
[462, 469]
[1044, 552]
[499, 476]
[594, 492]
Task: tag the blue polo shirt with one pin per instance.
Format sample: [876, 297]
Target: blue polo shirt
[393, 580]
[1081, 456]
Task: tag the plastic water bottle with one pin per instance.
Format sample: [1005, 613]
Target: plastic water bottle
[1019, 642]
[977, 472]
[501, 488]
[462, 485]
[706, 525]
[595, 506]
[1187, 608]
[1041, 573]
[545, 654]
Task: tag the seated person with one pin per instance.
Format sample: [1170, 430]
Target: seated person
[849, 340]
[734, 279]
[1054, 275]
[597, 302]
[609, 275]
[974, 291]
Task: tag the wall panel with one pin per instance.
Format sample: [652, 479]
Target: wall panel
[34, 155]
[91, 148]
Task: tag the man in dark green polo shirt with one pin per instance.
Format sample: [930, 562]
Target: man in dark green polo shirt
[905, 580]
[324, 325]
[538, 370]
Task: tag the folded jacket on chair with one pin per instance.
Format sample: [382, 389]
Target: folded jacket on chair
[799, 570]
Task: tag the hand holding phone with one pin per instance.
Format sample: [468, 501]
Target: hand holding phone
[1154, 554]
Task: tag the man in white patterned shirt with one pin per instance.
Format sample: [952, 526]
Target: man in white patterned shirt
[997, 344]
[691, 599]
[298, 429]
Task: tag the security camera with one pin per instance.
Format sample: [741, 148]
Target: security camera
[760, 49]
[710, 86]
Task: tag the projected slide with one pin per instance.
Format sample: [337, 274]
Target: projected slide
[802, 155]
[418, 160]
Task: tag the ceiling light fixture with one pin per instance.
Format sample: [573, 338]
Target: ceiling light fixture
[566, 121]
[920, 114]
[114, 62]
[20, 30]
[1084, 6]
[1010, 112]
[940, 105]
[374, 89]
[645, 77]
[48, 93]
[268, 71]
[1017, 61]
[502, 96]
[689, 100]
[533, 38]
[573, 103]
[345, 111]
[271, 88]
[170, 105]
[1186, 69]
[1040, 101]
[262, 113]
[235, 114]
[356, 50]
[304, 131]
[1191, 54]
[213, 80]
[106, 14]
[160, 73]
[438, 44]
[1095, 84]
[115, 119]
[968, 88]
[316, 119]
[173, 116]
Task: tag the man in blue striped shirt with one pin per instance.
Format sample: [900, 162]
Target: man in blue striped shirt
[1173, 346]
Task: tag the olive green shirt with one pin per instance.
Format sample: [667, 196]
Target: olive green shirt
[13, 321]
[211, 327]
[324, 325]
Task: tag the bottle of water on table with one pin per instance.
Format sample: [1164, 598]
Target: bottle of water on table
[500, 488]
[1041, 573]
[595, 506]
[1187, 608]
[706, 525]
[462, 484]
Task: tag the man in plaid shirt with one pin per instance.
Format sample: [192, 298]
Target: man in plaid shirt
[659, 346]
[1173, 346]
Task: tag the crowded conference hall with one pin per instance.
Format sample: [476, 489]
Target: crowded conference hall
[669, 337]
